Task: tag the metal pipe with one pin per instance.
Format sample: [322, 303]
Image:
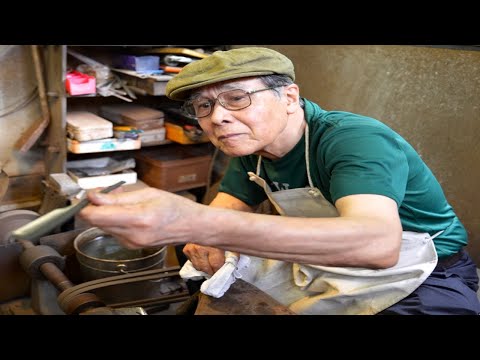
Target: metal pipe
[42, 93]
[56, 276]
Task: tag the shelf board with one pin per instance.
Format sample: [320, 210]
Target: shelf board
[102, 145]
[82, 96]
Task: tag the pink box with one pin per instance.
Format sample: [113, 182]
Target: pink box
[78, 83]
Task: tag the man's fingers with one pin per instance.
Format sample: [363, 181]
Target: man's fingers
[204, 258]
[120, 198]
[111, 215]
[216, 259]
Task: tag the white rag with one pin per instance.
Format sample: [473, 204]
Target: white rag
[217, 284]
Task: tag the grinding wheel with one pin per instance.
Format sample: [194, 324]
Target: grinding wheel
[12, 220]
[16, 281]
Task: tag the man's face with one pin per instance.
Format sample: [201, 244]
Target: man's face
[250, 130]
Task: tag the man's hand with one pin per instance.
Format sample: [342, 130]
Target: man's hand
[204, 258]
[143, 218]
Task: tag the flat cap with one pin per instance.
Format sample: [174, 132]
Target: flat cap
[228, 65]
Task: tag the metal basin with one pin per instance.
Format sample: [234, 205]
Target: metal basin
[100, 255]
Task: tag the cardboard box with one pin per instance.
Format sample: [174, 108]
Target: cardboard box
[92, 182]
[153, 137]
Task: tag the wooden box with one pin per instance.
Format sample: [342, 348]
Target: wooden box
[85, 126]
[174, 167]
[142, 117]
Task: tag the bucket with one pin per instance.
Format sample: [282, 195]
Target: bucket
[101, 255]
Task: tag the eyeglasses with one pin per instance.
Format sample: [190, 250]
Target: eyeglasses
[231, 100]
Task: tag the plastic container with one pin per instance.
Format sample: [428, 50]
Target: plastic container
[77, 83]
[186, 134]
[138, 63]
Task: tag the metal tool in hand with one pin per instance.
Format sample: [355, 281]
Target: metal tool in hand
[46, 223]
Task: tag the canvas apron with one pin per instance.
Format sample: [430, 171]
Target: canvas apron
[314, 289]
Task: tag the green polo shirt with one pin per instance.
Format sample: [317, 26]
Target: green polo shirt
[353, 154]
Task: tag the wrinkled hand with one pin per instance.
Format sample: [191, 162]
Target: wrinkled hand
[143, 218]
[205, 258]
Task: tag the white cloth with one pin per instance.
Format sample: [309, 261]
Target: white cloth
[217, 284]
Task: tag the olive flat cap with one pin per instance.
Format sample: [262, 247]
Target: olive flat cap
[228, 65]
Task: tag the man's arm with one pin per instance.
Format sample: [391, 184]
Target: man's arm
[206, 258]
[226, 201]
[366, 234]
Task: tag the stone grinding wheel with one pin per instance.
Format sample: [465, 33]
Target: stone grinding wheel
[12, 220]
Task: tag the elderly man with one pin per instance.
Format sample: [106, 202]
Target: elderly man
[364, 225]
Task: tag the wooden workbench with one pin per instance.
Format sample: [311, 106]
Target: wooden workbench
[241, 299]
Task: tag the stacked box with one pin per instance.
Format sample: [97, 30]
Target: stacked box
[85, 126]
[174, 167]
[141, 117]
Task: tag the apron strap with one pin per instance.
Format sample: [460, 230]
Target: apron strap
[307, 155]
[259, 162]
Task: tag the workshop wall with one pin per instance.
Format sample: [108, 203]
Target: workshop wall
[19, 110]
[430, 95]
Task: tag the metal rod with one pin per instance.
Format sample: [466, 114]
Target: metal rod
[56, 276]
[46, 223]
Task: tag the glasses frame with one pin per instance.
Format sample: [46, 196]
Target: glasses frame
[213, 101]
